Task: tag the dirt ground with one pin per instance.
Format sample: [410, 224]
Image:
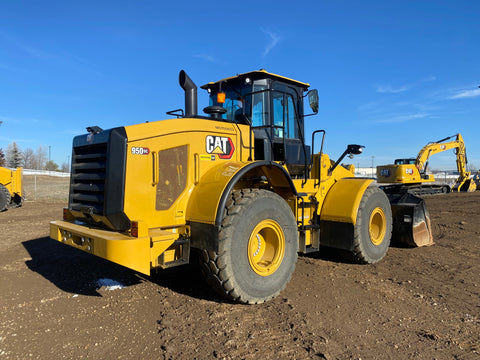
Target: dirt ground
[416, 303]
[42, 187]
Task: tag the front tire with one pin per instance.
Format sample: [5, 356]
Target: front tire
[257, 249]
[373, 227]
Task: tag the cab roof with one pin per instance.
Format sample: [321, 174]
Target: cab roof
[255, 75]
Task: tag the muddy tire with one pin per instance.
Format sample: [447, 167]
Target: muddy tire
[373, 228]
[5, 198]
[257, 249]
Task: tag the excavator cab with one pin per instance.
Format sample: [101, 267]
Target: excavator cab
[405, 161]
[273, 106]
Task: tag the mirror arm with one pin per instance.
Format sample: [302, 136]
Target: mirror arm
[337, 162]
[351, 150]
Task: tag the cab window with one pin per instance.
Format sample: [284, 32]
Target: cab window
[245, 103]
[292, 123]
[259, 103]
[284, 115]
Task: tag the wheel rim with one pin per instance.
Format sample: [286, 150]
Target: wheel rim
[266, 247]
[377, 226]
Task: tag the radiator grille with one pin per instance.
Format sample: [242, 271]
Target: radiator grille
[87, 193]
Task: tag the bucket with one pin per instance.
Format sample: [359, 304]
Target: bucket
[411, 220]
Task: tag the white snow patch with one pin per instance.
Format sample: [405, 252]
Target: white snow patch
[109, 284]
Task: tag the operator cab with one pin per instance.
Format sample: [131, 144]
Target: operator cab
[273, 106]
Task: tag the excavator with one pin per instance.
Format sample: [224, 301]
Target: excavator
[410, 175]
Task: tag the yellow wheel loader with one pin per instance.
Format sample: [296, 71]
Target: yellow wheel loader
[411, 174]
[239, 185]
[11, 189]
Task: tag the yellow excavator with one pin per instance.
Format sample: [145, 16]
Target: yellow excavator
[411, 174]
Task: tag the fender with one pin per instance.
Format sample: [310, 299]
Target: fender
[342, 200]
[209, 197]
[339, 212]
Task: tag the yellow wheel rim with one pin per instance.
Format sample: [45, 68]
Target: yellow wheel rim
[266, 247]
[377, 226]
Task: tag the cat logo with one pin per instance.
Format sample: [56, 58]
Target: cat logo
[222, 146]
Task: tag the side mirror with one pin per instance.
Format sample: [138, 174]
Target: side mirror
[313, 100]
[354, 149]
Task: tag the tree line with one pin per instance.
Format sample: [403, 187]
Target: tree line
[37, 159]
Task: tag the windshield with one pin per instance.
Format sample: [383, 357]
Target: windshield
[405, 162]
[245, 104]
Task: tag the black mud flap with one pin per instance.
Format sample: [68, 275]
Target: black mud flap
[411, 220]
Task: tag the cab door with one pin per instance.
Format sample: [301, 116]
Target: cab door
[288, 137]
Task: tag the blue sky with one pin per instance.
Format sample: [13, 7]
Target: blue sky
[391, 75]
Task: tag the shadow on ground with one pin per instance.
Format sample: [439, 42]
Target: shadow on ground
[72, 270]
[77, 272]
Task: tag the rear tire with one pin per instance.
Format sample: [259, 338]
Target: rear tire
[5, 198]
[373, 228]
[257, 249]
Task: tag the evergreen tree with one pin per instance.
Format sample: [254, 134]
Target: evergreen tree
[14, 155]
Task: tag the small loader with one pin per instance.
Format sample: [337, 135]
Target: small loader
[11, 189]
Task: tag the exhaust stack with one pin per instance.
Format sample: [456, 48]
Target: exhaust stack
[190, 94]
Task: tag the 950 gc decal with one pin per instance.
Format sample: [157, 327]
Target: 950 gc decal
[219, 145]
[136, 150]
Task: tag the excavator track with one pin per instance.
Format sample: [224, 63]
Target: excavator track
[417, 189]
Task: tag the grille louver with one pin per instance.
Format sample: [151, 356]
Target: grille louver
[88, 178]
